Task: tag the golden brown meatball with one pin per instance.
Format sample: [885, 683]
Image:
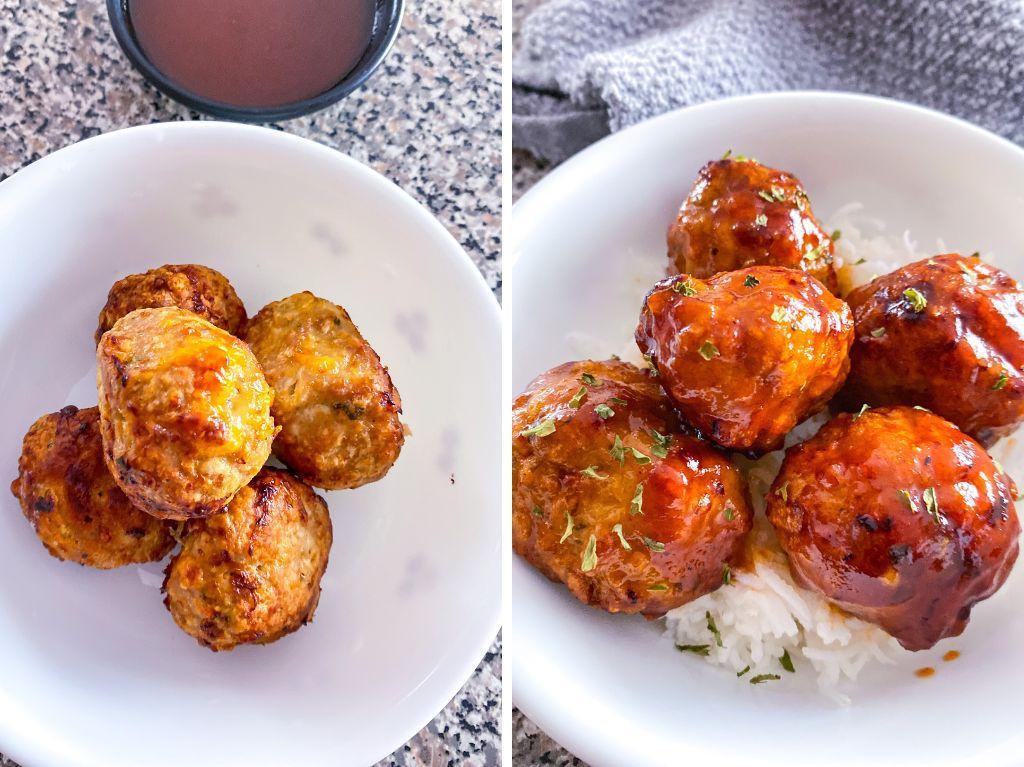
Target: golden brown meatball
[184, 412]
[67, 493]
[335, 403]
[741, 213]
[946, 333]
[747, 354]
[899, 518]
[252, 574]
[198, 289]
[610, 499]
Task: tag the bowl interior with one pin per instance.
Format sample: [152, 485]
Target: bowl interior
[95, 671]
[583, 248]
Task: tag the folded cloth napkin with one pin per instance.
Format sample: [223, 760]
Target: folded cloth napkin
[587, 67]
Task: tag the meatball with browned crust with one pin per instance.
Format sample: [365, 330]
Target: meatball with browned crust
[184, 412]
[946, 333]
[192, 287]
[899, 518]
[252, 574]
[335, 403]
[741, 213]
[611, 499]
[747, 354]
[76, 508]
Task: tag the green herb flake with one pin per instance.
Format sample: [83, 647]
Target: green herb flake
[917, 301]
[787, 662]
[726, 574]
[618, 450]
[782, 315]
[649, 359]
[783, 491]
[878, 332]
[713, 628]
[590, 555]
[727, 155]
[744, 671]
[591, 471]
[640, 457]
[708, 350]
[751, 281]
[588, 380]
[696, 649]
[761, 220]
[684, 286]
[661, 444]
[636, 506]
[536, 511]
[778, 193]
[604, 412]
[658, 587]
[617, 401]
[622, 539]
[577, 399]
[860, 261]
[1000, 382]
[656, 546]
[729, 513]
[568, 528]
[764, 678]
[931, 505]
[908, 499]
[543, 429]
[836, 234]
[765, 196]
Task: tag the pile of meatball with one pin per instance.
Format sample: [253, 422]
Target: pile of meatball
[193, 399]
[624, 484]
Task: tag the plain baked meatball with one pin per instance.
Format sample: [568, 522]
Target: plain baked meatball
[946, 333]
[899, 518]
[252, 574]
[184, 411]
[611, 499]
[196, 288]
[335, 403]
[747, 354]
[741, 213]
[67, 493]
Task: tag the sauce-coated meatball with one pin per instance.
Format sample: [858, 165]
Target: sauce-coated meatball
[899, 518]
[946, 333]
[741, 213]
[67, 493]
[610, 499]
[335, 403]
[252, 574]
[747, 354]
[184, 412]
[192, 287]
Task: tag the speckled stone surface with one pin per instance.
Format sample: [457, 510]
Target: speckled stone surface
[429, 120]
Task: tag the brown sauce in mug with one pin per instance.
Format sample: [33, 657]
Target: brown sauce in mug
[253, 53]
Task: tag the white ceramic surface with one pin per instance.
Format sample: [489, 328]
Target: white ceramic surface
[580, 249]
[93, 670]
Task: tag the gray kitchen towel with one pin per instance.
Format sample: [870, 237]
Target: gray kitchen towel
[587, 67]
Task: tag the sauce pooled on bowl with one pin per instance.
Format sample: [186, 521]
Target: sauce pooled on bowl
[253, 53]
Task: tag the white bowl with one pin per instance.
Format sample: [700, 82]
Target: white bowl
[93, 670]
[582, 248]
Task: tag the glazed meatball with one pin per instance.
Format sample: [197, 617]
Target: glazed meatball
[194, 288]
[741, 213]
[184, 412]
[335, 403]
[899, 518]
[946, 333]
[252, 574]
[611, 499]
[67, 493]
[747, 354]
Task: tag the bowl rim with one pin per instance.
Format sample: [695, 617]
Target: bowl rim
[36, 745]
[537, 699]
[388, 12]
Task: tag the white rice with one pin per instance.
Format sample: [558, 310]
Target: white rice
[762, 613]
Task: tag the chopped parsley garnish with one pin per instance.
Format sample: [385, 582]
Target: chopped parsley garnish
[727, 155]
[618, 450]
[764, 678]
[543, 429]
[656, 546]
[787, 662]
[836, 234]
[658, 587]
[636, 506]
[744, 671]
[684, 286]
[577, 399]
[908, 499]
[730, 513]
[661, 444]
[917, 301]
[761, 220]
[783, 491]
[649, 359]
[536, 511]
[713, 628]
[765, 196]
[589, 380]
[640, 457]
[878, 332]
[751, 281]
[726, 574]
[590, 555]
[931, 505]
[617, 401]
[591, 471]
[860, 261]
[622, 539]
[696, 649]
[782, 314]
[604, 412]
[1000, 382]
[778, 193]
[568, 528]
[813, 253]
[708, 350]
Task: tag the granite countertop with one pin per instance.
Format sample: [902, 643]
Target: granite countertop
[429, 120]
